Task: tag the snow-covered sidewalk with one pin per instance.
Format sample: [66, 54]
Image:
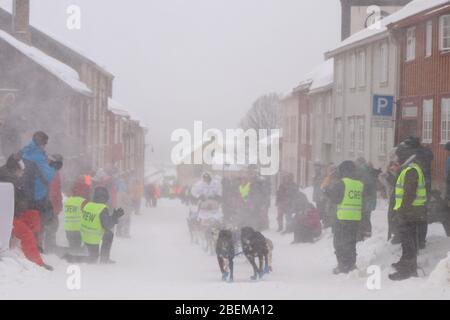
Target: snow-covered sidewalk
[159, 262]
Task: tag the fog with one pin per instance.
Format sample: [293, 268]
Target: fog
[176, 61]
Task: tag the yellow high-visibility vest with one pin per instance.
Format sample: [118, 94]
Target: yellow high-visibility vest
[350, 208]
[244, 190]
[91, 226]
[72, 213]
[421, 192]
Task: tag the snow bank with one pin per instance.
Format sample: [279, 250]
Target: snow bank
[440, 276]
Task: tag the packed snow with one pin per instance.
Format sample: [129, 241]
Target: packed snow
[159, 262]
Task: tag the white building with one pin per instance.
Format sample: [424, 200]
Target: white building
[365, 79]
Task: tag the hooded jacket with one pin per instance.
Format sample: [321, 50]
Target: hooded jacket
[38, 172]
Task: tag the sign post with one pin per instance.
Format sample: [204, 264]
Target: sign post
[382, 111]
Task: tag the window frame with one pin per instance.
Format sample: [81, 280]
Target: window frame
[411, 46]
[445, 118]
[382, 141]
[429, 32]
[360, 135]
[352, 134]
[353, 70]
[427, 121]
[384, 61]
[441, 32]
[362, 69]
[339, 133]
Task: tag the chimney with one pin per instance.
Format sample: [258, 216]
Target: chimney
[21, 20]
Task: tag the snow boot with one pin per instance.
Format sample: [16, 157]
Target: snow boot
[403, 275]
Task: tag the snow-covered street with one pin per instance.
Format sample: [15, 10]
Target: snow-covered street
[159, 262]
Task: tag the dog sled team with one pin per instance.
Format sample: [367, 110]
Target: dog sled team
[223, 235]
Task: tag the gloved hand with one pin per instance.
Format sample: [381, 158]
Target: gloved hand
[118, 213]
[47, 267]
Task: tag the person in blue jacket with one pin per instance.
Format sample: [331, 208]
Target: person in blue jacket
[38, 174]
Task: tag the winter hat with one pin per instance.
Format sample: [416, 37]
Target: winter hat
[101, 195]
[412, 142]
[56, 161]
[347, 168]
[40, 138]
[404, 152]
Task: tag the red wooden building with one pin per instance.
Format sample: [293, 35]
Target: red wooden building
[424, 84]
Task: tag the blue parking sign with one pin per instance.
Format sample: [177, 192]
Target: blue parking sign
[383, 106]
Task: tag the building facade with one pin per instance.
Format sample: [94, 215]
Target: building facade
[365, 75]
[424, 42]
[66, 94]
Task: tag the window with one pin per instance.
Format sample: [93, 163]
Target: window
[445, 32]
[340, 76]
[303, 129]
[429, 39]
[384, 60]
[360, 135]
[427, 121]
[293, 128]
[311, 131]
[410, 44]
[445, 120]
[303, 172]
[362, 69]
[382, 141]
[339, 140]
[353, 71]
[352, 129]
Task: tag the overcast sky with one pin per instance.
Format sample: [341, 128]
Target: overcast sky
[177, 61]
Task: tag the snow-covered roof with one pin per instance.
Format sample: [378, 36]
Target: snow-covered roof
[413, 8]
[117, 108]
[320, 77]
[323, 77]
[63, 72]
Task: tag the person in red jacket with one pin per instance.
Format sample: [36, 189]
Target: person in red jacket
[26, 227]
[307, 224]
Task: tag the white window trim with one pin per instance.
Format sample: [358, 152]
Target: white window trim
[304, 130]
[441, 32]
[362, 69]
[360, 135]
[445, 118]
[427, 121]
[429, 39]
[339, 137]
[411, 49]
[352, 133]
[382, 141]
[384, 61]
[353, 70]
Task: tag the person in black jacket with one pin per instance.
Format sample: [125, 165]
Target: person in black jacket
[424, 157]
[408, 213]
[285, 197]
[345, 229]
